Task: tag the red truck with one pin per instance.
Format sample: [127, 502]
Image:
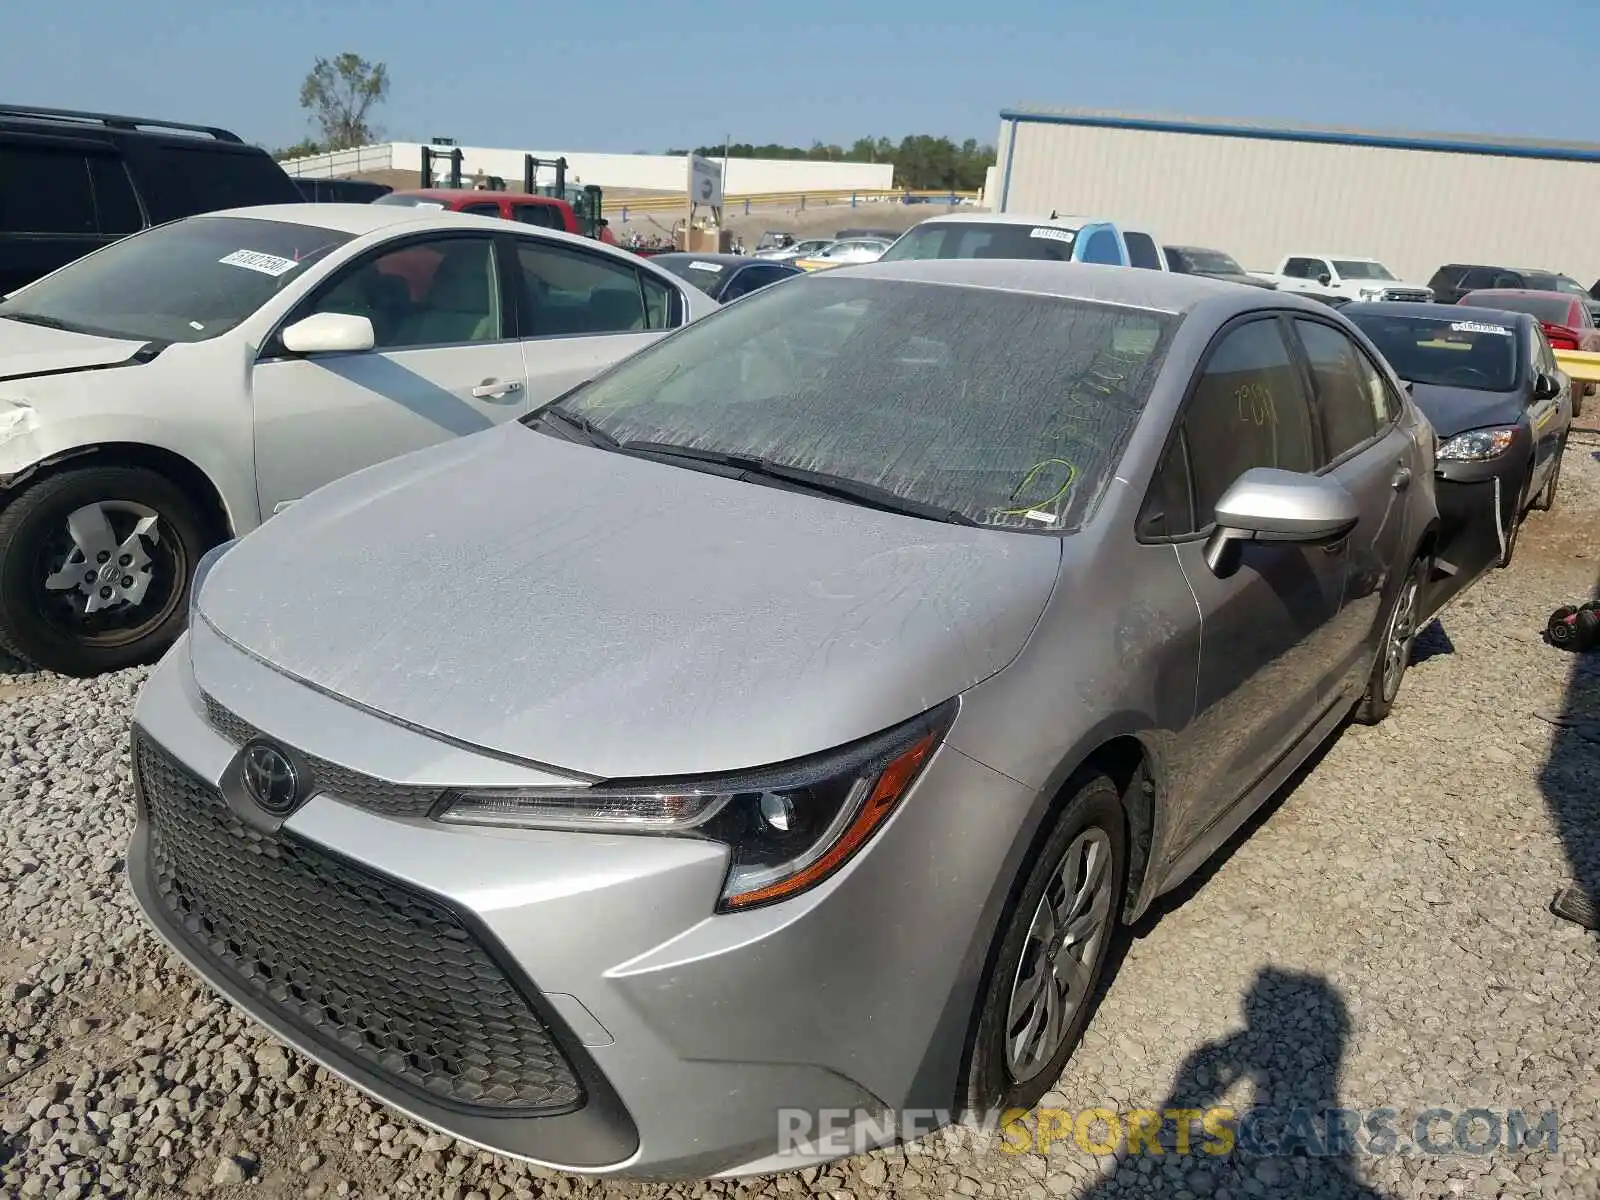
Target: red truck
[545, 211]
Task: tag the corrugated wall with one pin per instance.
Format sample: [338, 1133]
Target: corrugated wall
[1259, 200]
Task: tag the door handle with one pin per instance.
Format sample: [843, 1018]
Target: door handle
[1402, 478]
[491, 388]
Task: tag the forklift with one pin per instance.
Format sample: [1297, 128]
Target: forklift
[586, 201]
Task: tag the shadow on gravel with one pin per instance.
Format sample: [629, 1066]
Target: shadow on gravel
[1288, 1142]
[1432, 642]
[1570, 780]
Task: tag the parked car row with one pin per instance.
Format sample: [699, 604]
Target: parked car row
[603, 701]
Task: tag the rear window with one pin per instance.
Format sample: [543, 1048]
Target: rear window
[982, 239]
[1554, 308]
[47, 190]
[1477, 354]
[707, 276]
[179, 181]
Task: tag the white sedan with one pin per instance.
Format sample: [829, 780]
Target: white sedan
[846, 253]
[178, 387]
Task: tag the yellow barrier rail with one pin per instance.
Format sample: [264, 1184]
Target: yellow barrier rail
[655, 204]
[1581, 365]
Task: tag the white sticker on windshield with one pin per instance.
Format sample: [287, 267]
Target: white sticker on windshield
[254, 260]
[705, 266]
[1055, 235]
[1478, 327]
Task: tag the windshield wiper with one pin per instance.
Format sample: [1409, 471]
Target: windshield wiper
[838, 486]
[570, 420]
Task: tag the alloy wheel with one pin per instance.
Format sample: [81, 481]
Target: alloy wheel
[1402, 634]
[1056, 971]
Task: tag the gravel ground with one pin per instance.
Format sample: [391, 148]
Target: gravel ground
[1381, 939]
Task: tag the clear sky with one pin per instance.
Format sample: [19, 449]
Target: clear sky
[629, 75]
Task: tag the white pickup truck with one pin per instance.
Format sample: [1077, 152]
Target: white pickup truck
[1339, 279]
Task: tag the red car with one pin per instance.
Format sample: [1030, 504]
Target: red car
[1566, 321]
[545, 211]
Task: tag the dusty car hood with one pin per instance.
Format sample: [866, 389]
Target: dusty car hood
[27, 350]
[618, 617]
[1453, 410]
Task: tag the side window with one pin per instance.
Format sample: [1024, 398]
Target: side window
[570, 292]
[1316, 268]
[439, 293]
[1169, 508]
[546, 216]
[1507, 280]
[116, 208]
[1101, 247]
[1478, 277]
[481, 210]
[46, 191]
[1142, 251]
[1346, 406]
[1249, 409]
[1544, 358]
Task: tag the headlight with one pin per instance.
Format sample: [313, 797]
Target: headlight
[1479, 445]
[1372, 293]
[786, 828]
[201, 570]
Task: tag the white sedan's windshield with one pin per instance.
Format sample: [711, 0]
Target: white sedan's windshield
[1006, 408]
[184, 282]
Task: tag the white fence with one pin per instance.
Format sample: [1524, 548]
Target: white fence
[645, 172]
[342, 162]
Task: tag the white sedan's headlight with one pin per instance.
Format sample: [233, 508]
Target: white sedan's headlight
[202, 569]
[1477, 445]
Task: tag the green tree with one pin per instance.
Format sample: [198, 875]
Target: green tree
[340, 94]
[301, 149]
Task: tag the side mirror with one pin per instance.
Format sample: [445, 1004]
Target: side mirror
[1268, 505]
[1546, 387]
[1324, 279]
[328, 333]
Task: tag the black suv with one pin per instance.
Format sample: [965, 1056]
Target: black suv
[1450, 283]
[71, 182]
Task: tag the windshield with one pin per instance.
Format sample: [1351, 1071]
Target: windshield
[707, 276]
[1571, 286]
[981, 239]
[1210, 262]
[1011, 410]
[188, 281]
[1359, 269]
[1550, 307]
[1480, 355]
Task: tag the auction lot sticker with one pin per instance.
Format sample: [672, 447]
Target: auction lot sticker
[255, 260]
[1478, 327]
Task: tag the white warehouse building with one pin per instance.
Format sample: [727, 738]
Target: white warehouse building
[1260, 192]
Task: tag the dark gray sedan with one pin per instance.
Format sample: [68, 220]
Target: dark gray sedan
[725, 277]
[1489, 383]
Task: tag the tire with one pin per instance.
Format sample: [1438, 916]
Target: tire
[154, 530]
[1389, 668]
[1546, 499]
[1093, 818]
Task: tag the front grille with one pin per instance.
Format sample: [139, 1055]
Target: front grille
[364, 791]
[383, 974]
[1408, 294]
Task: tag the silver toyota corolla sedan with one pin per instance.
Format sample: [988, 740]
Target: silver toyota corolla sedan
[782, 721]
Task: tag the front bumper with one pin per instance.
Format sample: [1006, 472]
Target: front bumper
[604, 1019]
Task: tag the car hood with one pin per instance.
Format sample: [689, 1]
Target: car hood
[1453, 410]
[618, 617]
[27, 350]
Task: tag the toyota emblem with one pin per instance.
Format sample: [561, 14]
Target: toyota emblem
[270, 778]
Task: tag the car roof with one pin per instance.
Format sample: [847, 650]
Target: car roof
[356, 219]
[1159, 291]
[1437, 312]
[722, 260]
[1524, 293]
[453, 195]
[1055, 221]
[1192, 249]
